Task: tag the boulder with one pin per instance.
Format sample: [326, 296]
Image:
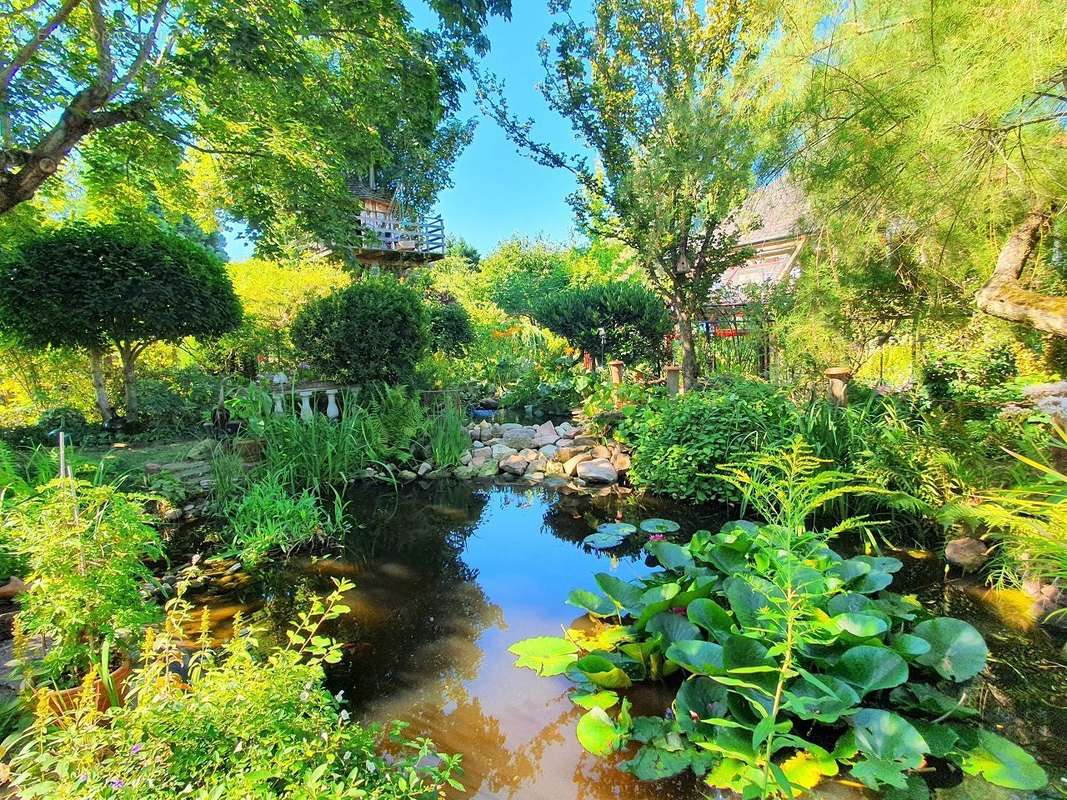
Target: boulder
[564, 429]
[519, 438]
[424, 468]
[549, 451]
[477, 444]
[597, 470]
[966, 553]
[406, 475]
[571, 465]
[565, 442]
[514, 464]
[621, 462]
[585, 441]
[488, 469]
[466, 473]
[500, 451]
[553, 468]
[545, 434]
[466, 458]
[509, 426]
[565, 454]
[600, 451]
[485, 431]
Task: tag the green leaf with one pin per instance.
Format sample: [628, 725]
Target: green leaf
[654, 763]
[602, 672]
[545, 655]
[810, 701]
[862, 625]
[660, 526]
[670, 555]
[1003, 763]
[872, 668]
[699, 657]
[624, 593]
[603, 541]
[591, 700]
[710, 616]
[910, 646]
[746, 601]
[595, 604]
[598, 734]
[939, 738]
[890, 743]
[921, 697]
[657, 599]
[698, 698]
[673, 627]
[957, 651]
[740, 526]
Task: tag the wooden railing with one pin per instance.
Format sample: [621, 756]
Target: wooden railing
[388, 233]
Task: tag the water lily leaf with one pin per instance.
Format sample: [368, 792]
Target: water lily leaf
[740, 526]
[698, 698]
[882, 563]
[599, 734]
[939, 738]
[670, 555]
[604, 541]
[626, 594]
[823, 698]
[699, 657]
[925, 698]
[803, 770]
[655, 763]
[871, 668]
[746, 601]
[890, 744]
[621, 529]
[591, 700]
[1003, 763]
[673, 627]
[725, 559]
[602, 672]
[599, 637]
[545, 655]
[849, 570]
[657, 599]
[849, 602]
[916, 789]
[710, 616]
[661, 526]
[862, 625]
[910, 646]
[957, 651]
[596, 604]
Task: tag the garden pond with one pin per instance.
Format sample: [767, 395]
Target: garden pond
[449, 575]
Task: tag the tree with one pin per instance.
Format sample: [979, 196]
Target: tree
[646, 87]
[97, 286]
[933, 129]
[278, 105]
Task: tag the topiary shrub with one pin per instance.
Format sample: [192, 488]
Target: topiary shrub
[635, 320]
[679, 442]
[374, 330]
[450, 327]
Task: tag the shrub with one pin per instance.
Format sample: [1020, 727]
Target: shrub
[450, 328]
[121, 285]
[520, 273]
[374, 330]
[238, 726]
[635, 320]
[85, 547]
[679, 442]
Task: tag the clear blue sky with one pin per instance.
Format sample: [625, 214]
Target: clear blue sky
[498, 193]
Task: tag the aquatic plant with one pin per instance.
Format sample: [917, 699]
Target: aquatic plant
[235, 724]
[448, 437]
[795, 662]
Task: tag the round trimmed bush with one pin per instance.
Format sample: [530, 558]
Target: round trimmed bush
[450, 327]
[374, 330]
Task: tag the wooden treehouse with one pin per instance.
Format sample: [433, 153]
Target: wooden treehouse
[389, 236]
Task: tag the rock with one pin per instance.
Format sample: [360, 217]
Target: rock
[966, 553]
[488, 469]
[466, 473]
[549, 451]
[509, 426]
[519, 438]
[500, 451]
[490, 403]
[466, 458]
[424, 467]
[539, 464]
[406, 475]
[485, 430]
[535, 477]
[621, 462]
[571, 465]
[530, 454]
[584, 441]
[565, 454]
[564, 429]
[514, 464]
[480, 458]
[554, 468]
[597, 470]
[554, 482]
[437, 474]
[545, 434]
[600, 451]
[173, 515]
[152, 468]
[565, 442]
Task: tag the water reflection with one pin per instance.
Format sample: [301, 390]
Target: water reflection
[447, 578]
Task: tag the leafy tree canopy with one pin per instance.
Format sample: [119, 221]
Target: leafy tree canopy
[269, 108]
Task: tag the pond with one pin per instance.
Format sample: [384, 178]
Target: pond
[448, 576]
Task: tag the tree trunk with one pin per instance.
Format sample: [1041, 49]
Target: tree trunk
[1005, 296]
[128, 353]
[96, 360]
[684, 320]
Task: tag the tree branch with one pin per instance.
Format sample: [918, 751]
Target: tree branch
[145, 52]
[1004, 295]
[105, 63]
[26, 53]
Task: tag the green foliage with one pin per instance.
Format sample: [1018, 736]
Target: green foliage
[680, 442]
[85, 547]
[268, 517]
[791, 655]
[552, 384]
[240, 725]
[635, 321]
[519, 274]
[374, 330]
[448, 437]
[450, 327]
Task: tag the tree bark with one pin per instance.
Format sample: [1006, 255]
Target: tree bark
[128, 353]
[96, 360]
[684, 320]
[1005, 296]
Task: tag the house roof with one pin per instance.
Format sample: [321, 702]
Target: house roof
[775, 211]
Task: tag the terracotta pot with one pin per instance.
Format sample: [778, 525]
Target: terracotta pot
[63, 701]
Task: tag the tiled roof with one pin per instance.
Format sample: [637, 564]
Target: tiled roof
[775, 211]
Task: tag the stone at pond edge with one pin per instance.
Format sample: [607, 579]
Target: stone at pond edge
[488, 469]
[966, 553]
[571, 465]
[549, 451]
[514, 464]
[597, 470]
[502, 451]
[406, 475]
[424, 467]
[466, 472]
[565, 454]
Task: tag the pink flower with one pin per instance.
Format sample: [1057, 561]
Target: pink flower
[679, 610]
[656, 537]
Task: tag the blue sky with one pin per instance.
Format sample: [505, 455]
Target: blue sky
[498, 193]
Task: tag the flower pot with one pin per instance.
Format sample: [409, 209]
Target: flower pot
[63, 701]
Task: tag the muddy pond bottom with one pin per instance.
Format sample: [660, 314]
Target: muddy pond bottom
[448, 577]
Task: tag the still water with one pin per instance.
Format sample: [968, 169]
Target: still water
[448, 577]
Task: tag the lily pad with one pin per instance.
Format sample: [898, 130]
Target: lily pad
[670, 555]
[590, 700]
[595, 604]
[957, 651]
[608, 535]
[545, 655]
[872, 668]
[627, 595]
[701, 658]
[862, 625]
[1003, 763]
[661, 526]
[710, 616]
[655, 763]
[601, 672]
[599, 734]
[673, 627]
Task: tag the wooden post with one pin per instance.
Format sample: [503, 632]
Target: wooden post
[838, 378]
[616, 368]
[673, 379]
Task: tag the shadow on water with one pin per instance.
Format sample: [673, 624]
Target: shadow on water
[447, 577]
